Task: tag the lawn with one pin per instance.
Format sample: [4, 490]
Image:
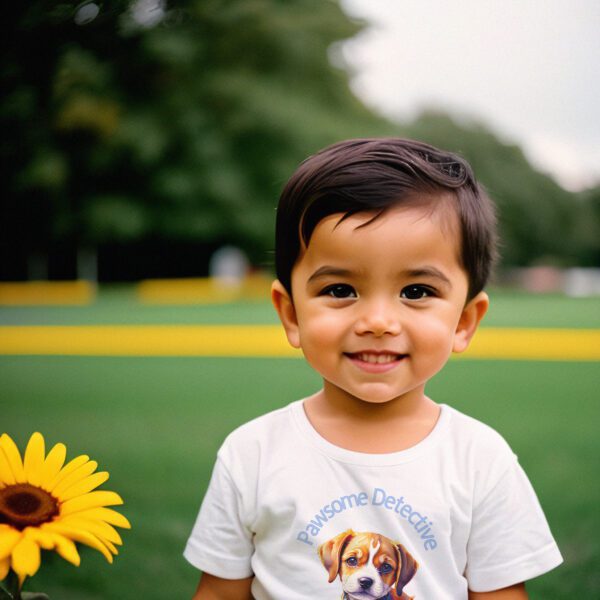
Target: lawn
[155, 424]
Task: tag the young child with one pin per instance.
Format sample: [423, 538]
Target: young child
[368, 489]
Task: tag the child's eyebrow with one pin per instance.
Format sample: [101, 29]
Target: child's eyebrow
[327, 270]
[428, 271]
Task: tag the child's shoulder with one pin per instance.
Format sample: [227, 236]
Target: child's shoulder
[466, 434]
[266, 420]
[262, 427]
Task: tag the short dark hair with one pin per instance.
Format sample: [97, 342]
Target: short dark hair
[371, 175]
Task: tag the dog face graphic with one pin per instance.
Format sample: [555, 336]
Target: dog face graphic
[369, 565]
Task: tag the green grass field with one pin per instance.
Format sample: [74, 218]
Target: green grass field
[156, 423]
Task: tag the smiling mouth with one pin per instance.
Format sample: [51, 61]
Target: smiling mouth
[376, 358]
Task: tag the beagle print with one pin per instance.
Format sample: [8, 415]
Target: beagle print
[370, 565]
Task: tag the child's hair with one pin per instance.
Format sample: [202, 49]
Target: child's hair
[372, 175]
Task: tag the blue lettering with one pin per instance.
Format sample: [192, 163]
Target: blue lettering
[379, 496]
[303, 537]
[411, 516]
[389, 502]
[430, 545]
[321, 518]
[348, 501]
[420, 524]
[314, 526]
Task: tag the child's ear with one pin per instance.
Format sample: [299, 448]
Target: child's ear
[284, 305]
[472, 314]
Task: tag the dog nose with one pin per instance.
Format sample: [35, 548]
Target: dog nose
[365, 582]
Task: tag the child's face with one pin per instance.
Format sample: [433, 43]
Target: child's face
[378, 309]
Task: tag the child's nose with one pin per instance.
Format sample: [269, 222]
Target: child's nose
[379, 318]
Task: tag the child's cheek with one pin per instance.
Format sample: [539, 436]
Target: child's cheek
[320, 327]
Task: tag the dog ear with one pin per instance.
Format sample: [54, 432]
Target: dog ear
[331, 552]
[408, 568]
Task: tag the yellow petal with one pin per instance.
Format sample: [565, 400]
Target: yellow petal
[112, 517]
[53, 464]
[91, 500]
[67, 470]
[4, 567]
[26, 558]
[67, 549]
[85, 470]
[80, 536]
[100, 529]
[111, 547]
[83, 487]
[9, 538]
[6, 474]
[35, 454]
[13, 457]
[41, 538]
[63, 545]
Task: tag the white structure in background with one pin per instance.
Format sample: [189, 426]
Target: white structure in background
[575, 282]
[579, 282]
[228, 266]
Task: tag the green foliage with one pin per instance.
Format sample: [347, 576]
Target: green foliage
[183, 129]
[587, 242]
[539, 220]
[183, 123]
[11, 590]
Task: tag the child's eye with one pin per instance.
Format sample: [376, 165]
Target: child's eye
[416, 292]
[339, 290]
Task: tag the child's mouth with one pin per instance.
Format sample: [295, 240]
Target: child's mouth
[375, 361]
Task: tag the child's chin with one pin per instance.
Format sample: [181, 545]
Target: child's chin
[378, 397]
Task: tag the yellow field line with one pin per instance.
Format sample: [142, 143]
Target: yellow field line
[267, 341]
[146, 340]
[535, 344]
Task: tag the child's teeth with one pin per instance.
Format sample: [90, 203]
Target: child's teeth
[377, 358]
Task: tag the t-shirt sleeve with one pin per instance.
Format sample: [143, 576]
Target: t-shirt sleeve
[510, 540]
[220, 543]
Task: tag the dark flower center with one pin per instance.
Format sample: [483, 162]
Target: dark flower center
[25, 505]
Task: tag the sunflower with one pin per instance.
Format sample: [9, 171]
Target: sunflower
[47, 504]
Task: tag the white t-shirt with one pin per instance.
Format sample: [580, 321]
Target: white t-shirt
[458, 502]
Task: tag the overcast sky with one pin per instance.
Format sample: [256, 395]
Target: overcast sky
[530, 69]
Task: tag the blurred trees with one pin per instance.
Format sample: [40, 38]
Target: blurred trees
[134, 121]
[587, 228]
[137, 122]
[540, 222]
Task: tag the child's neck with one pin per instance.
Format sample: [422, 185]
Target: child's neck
[381, 428]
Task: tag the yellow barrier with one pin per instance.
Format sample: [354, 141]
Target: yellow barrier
[30, 293]
[269, 341]
[151, 291]
[203, 290]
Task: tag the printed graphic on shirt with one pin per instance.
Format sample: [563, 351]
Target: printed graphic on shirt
[420, 526]
[370, 566]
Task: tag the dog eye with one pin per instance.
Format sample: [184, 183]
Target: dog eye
[352, 561]
[385, 568]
